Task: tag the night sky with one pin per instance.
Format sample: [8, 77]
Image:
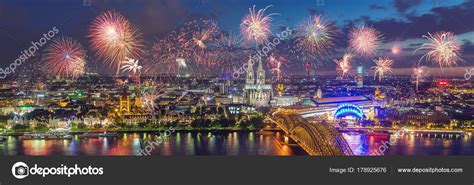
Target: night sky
[401, 21]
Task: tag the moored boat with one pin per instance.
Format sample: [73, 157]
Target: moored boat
[97, 134]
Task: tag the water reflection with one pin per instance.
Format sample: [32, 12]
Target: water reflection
[410, 144]
[236, 143]
[181, 143]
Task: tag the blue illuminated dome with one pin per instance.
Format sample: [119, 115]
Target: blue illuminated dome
[344, 110]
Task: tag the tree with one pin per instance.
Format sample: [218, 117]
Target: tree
[256, 122]
[81, 126]
[227, 122]
[19, 127]
[119, 120]
[244, 123]
[98, 126]
[142, 124]
[201, 123]
[41, 127]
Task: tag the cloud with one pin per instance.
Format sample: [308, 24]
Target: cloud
[456, 19]
[403, 5]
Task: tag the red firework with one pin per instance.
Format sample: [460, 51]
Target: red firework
[114, 38]
[198, 36]
[65, 57]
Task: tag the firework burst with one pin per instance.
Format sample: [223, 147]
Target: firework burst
[344, 65]
[168, 56]
[149, 97]
[198, 35]
[114, 38]
[185, 49]
[165, 55]
[256, 26]
[228, 52]
[419, 74]
[316, 34]
[442, 49]
[121, 83]
[396, 49]
[65, 57]
[148, 100]
[277, 65]
[364, 41]
[131, 65]
[383, 65]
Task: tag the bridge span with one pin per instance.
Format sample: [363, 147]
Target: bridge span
[317, 139]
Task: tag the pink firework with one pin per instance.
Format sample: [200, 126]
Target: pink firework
[442, 49]
[316, 34]
[256, 25]
[114, 38]
[365, 41]
[65, 57]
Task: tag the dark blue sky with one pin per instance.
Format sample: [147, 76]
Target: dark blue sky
[401, 21]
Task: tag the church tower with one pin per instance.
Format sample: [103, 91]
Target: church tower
[260, 73]
[250, 78]
[256, 92]
[124, 102]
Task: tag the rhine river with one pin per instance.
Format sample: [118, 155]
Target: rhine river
[230, 143]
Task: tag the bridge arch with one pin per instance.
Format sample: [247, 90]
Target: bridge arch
[318, 139]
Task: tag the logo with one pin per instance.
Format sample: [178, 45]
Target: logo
[20, 170]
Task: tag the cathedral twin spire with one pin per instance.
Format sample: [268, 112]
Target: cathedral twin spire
[260, 73]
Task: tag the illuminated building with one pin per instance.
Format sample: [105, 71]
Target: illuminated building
[351, 110]
[329, 107]
[256, 91]
[379, 101]
[420, 118]
[282, 101]
[124, 102]
[239, 108]
[360, 76]
[280, 88]
[319, 94]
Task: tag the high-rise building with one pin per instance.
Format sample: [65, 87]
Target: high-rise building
[360, 76]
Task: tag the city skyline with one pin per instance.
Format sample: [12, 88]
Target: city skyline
[237, 78]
